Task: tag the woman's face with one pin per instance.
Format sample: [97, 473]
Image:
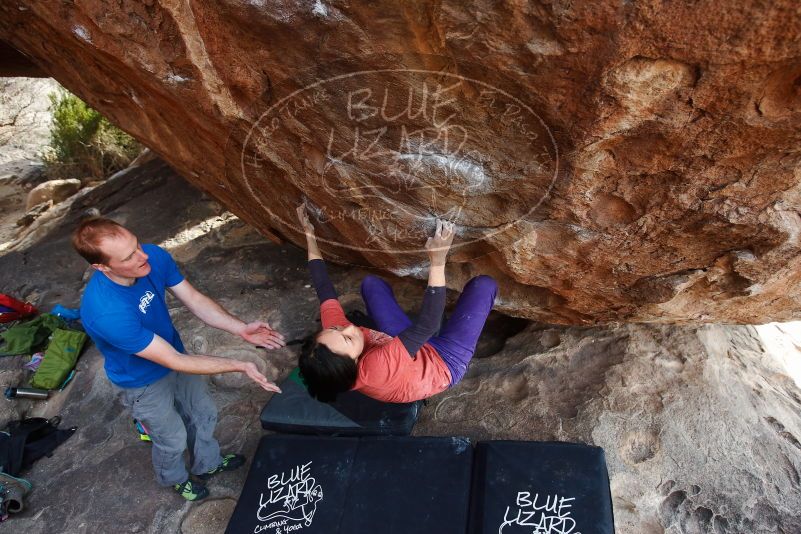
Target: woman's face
[343, 340]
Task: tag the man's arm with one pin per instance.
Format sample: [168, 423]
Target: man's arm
[210, 312]
[162, 353]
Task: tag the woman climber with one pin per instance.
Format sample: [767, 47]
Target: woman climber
[401, 361]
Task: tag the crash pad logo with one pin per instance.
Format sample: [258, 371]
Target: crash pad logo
[290, 501]
[145, 301]
[539, 514]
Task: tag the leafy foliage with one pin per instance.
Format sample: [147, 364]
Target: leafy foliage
[83, 143]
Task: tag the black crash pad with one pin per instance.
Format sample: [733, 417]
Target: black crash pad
[356, 485]
[353, 414]
[545, 488]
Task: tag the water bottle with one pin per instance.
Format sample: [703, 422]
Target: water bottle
[28, 393]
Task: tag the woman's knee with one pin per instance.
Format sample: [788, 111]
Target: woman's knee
[484, 283]
[371, 282]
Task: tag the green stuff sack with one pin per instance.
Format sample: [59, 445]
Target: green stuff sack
[59, 359]
[30, 336]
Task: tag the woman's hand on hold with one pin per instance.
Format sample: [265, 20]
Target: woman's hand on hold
[439, 245]
[308, 229]
[305, 223]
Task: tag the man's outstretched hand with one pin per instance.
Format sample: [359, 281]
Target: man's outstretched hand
[253, 373]
[260, 334]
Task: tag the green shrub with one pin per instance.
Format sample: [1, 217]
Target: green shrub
[83, 143]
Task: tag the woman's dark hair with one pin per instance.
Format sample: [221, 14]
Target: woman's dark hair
[325, 372]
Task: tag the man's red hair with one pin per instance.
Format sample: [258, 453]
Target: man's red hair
[90, 232]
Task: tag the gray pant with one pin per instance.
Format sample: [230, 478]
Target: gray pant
[178, 413]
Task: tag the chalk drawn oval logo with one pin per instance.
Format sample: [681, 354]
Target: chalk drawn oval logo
[393, 149]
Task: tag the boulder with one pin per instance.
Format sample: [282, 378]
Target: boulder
[54, 191]
[607, 162]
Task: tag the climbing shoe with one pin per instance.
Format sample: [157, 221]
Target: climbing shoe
[229, 463]
[191, 491]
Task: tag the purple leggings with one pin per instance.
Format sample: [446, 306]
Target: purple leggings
[457, 339]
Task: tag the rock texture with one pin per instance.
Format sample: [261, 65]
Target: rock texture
[701, 425]
[24, 133]
[607, 161]
[24, 118]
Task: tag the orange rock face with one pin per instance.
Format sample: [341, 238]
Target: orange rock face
[606, 161]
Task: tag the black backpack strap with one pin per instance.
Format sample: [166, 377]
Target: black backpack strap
[27, 440]
[19, 432]
[5, 452]
[45, 445]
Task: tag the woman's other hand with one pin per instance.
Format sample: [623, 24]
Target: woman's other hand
[439, 245]
[308, 229]
[305, 223]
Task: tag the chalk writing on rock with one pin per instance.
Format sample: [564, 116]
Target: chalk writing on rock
[385, 152]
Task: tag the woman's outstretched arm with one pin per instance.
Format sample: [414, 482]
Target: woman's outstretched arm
[430, 316]
[319, 275]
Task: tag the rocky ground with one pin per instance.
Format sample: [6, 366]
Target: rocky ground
[700, 425]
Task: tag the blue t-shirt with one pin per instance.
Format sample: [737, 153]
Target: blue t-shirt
[122, 320]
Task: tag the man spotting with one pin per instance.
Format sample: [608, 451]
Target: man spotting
[123, 310]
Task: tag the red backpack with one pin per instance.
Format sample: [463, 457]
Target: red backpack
[12, 309]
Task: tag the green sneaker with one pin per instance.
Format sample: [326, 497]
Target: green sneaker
[229, 463]
[191, 491]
